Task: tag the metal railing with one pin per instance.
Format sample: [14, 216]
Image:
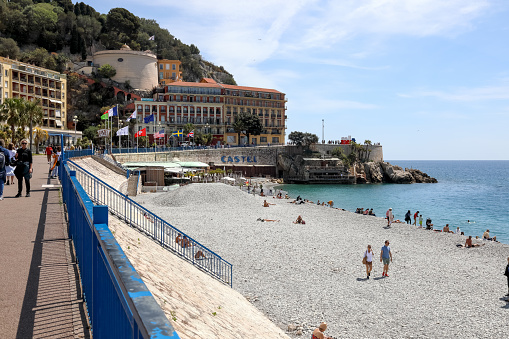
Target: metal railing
[119, 304]
[149, 223]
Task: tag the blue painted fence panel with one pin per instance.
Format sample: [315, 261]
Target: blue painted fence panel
[119, 303]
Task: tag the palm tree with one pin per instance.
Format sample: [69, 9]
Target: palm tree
[238, 127]
[33, 113]
[40, 136]
[11, 113]
[5, 131]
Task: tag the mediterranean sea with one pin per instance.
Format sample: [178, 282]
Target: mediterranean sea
[466, 190]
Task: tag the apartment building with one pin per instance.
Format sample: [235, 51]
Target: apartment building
[22, 80]
[169, 71]
[212, 108]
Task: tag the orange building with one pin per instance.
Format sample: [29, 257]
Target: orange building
[169, 71]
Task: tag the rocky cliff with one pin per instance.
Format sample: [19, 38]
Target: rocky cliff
[378, 172]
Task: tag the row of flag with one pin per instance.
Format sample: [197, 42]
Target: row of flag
[160, 134]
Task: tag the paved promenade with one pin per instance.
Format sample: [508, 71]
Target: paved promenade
[40, 292]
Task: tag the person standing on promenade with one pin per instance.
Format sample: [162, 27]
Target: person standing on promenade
[506, 273]
[5, 158]
[390, 217]
[368, 256]
[49, 151]
[386, 257]
[23, 168]
[10, 169]
[407, 217]
[416, 214]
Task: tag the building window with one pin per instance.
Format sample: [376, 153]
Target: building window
[173, 75]
[263, 139]
[167, 66]
[163, 118]
[160, 66]
[275, 140]
[173, 67]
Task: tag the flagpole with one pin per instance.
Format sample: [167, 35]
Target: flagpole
[154, 132]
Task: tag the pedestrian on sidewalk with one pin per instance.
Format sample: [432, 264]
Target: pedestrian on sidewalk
[5, 158]
[23, 168]
[386, 257]
[49, 151]
[10, 169]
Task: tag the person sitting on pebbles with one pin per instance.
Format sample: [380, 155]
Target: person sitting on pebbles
[266, 204]
[469, 244]
[318, 332]
[486, 236]
[299, 221]
[446, 229]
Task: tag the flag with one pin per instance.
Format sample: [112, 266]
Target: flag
[104, 116]
[112, 112]
[141, 133]
[177, 133]
[123, 131]
[160, 134]
[191, 134]
[152, 37]
[149, 118]
[132, 116]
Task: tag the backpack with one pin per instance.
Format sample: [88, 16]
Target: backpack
[2, 159]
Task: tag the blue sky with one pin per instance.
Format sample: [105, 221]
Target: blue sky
[428, 79]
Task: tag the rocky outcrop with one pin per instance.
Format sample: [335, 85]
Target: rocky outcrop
[421, 177]
[377, 172]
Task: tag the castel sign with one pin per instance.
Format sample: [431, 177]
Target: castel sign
[238, 159]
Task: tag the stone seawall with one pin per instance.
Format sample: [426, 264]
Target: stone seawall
[238, 156]
[376, 153]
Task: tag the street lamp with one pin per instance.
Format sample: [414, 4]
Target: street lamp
[75, 121]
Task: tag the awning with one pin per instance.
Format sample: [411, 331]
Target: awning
[59, 123]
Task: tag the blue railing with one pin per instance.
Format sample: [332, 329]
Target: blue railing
[119, 304]
[149, 223]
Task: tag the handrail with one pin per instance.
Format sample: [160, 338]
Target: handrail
[119, 304]
[149, 223]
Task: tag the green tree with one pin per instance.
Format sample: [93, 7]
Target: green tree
[39, 136]
[9, 48]
[251, 123]
[31, 112]
[238, 127]
[11, 113]
[107, 71]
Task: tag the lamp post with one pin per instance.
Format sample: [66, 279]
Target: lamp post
[207, 127]
[75, 121]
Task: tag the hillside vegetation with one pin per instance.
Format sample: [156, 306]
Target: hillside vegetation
[30, 30]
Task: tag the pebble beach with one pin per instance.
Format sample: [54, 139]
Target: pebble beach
[300, 275]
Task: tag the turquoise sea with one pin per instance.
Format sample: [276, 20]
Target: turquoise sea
[466, 190]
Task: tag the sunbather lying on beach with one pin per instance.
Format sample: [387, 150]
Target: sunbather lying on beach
[299, 221]
[262, 220]
[266, 204]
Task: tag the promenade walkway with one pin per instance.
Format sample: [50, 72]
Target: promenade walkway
[40, 293]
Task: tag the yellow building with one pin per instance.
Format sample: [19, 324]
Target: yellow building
[22, 80]
[169, 71]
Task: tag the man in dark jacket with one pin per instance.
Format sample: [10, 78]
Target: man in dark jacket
[507, 275]
[5, 159]
[23, 168]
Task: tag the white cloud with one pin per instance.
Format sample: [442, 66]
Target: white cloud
[465, 94]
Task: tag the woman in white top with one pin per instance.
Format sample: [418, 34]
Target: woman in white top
[369, 260]
[10, 169]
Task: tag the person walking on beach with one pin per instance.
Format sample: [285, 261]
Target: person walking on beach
[416, 214]
[368, 260]
[407, 217]
[390, 217]
[506, 273]
[23, 168]
[386, 258]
